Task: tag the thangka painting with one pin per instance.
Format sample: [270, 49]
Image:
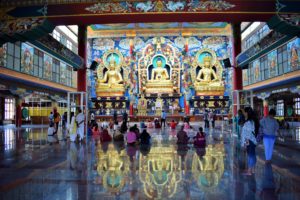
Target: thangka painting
[27, 58]
[256, 72]
[293, 48]
[245, 76]
[3, 55]
[63, 73]
[272, 63]
[47, 66]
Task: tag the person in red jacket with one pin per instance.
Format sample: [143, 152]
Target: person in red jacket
[173, 124]
[105, 137]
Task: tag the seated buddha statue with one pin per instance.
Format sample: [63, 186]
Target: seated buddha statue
[207, 80]
[112, 82]
[160, 80]
[159, 73]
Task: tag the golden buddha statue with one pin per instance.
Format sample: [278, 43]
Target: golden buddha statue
[159, 73]
[112, 82]
[207, 81]
[160, 80]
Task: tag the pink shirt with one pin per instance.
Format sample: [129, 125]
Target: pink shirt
[131, 137]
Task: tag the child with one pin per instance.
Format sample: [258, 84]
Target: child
[51, 134]
[173, 124]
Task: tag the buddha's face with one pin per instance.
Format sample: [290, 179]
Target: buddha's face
[206, 64]
[159, 63]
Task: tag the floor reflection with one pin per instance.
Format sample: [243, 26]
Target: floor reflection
[162, 170]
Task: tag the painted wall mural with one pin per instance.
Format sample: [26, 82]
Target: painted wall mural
[171, 53]
[3, 55]
[160, 6]
[48, 66]
[272, 62]
[293, 48]
[27, 58]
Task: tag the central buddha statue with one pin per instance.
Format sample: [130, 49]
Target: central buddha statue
[159, 73]
[112, 82]
[159, 82]
[207, 81]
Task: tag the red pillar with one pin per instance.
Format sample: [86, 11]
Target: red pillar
[131, 109]
[237, 71]
[82, 52]
[19, 113]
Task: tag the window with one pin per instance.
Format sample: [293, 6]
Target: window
[297, 106]
[264, 68]
[55, 71]
[250, 73]
[282, 59]
[69, 44]
[280, 108]
[9, 109]
[56, 35]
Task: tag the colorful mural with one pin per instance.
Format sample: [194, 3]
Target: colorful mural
[256, 70]
[245, 77]
[27, 58]
[133, 49]
[293, 48]
[48, 66]
[159, 6]
[63, 73]
[272, 63]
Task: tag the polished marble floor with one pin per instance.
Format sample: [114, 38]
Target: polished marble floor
[33, 169]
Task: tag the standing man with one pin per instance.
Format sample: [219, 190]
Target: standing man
[115, 116]
[80, 124]
[206, 122]
[163, 118]
[125, 117]
[269, 127]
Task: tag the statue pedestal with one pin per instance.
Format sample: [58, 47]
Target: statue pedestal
[165, 86]
[113, 91]
[209, 90]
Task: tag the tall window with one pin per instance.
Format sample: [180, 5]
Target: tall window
[69, 44]
[282, 59]
[9, 109]
[55, 71]
[264, 68]
[280, 108]
[56, 35]
[297, 106]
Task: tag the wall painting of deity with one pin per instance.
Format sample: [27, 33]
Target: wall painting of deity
[256, 71]
[47, 67]
[27, 58]
[245, 76]
[293, 48]
[272, 63]
[63, 73]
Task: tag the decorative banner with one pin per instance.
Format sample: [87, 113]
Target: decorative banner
[256, 71]
[27, 58]
[245, 77]
[47, 66]
[3, 55]
[272, 62]
[293, 48]
[63, 73]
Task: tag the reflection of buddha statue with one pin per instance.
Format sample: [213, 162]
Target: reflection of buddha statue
[207, 74]
[159, 73]
[112, 83]
[207, 81]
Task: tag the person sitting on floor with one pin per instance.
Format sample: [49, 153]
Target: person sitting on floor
[145, 137]
[131, 136]
[156, 123]
[182, 137]
[105, 137]
[173, 124]
[52, 137]
[150, 124]
[199, 139]
[118, 136]
[143, 125]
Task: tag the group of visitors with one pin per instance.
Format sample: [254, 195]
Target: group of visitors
[251, 130]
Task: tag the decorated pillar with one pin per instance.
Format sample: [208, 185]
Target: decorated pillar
[82, 52]
[266, 108]
[18, 113]
[237, 71]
